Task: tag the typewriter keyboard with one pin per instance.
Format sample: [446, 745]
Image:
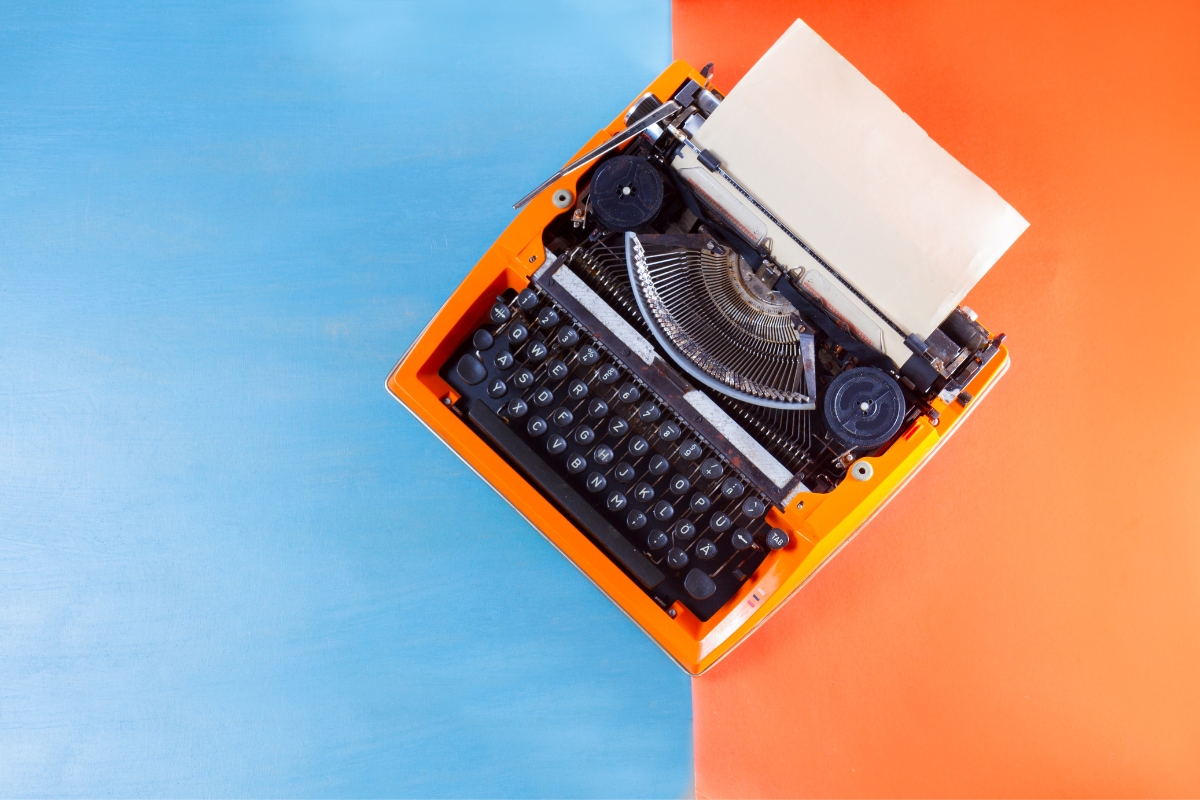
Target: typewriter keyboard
[614, 458]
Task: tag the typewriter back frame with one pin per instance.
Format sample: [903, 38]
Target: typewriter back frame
[819, 524]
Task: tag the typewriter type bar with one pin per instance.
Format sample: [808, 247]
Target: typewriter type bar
[699, 496]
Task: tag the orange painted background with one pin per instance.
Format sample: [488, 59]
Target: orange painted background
[1025, 618]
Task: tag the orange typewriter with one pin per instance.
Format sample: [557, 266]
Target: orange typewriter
[714, 344]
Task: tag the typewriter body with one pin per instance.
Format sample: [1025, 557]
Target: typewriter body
[671, 368]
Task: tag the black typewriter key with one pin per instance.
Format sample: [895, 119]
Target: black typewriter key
[527, 300]
[588, 355]
[648, 412]
[603, 455]
[536, 426]
[657, 540]
[608, 374]
[705, 549]
[556, 369]
[776, 539]
[669, 431]
[663, 511]
[636, 520]
[685, 529]
[567, 337]
[628, 393]
[638, 446]
[597, 408]
[700, 503]
[584, 435]
[523, 378]
[577, 389]
[497, 388]
[536, 352]
[741, 539]
[711, 469]
[576, 463]
[699, 585]
[643, 492]
[556, 444]
[753, 508]
[543, 397]
[680, 485]
[482, 339]
[689, 450]
[471, 369]
[547, 317]
[720, 522]
[617, 426]
[732, 488]
[616, 501]
[500, 314]
[596, 482]
[659, 465]
[518, 333]
[625, 473]
[676, 558]
[517, 408]
[503, 360]
[562, 417]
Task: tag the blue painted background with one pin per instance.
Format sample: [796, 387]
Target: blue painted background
[230, 563]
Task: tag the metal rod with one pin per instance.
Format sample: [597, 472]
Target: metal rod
[657, 115]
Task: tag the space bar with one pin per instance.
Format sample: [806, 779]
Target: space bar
[564, 496]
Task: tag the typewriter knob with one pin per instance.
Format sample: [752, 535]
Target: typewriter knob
[864, 407]
[500, 313]
[578, 390]
[677, 558]
[699, 585]
[753, 508]
[517, 408]
[527, 300]
[627, 193]
[776, 539]
[482, 339]
[471, 369]
[732, 488]
[742, 539]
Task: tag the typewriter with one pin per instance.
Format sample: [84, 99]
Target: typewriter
[715, 343]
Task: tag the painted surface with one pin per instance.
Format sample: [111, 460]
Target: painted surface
[230, 563]
[1024, 620]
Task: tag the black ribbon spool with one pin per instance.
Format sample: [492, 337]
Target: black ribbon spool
[627, 193]
[864, 407]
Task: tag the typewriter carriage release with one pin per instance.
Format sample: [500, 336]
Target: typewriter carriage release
[720, 339]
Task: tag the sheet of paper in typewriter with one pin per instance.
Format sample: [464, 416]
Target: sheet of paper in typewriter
[854, 176]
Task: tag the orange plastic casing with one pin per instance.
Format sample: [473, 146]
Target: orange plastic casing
[818, 524]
